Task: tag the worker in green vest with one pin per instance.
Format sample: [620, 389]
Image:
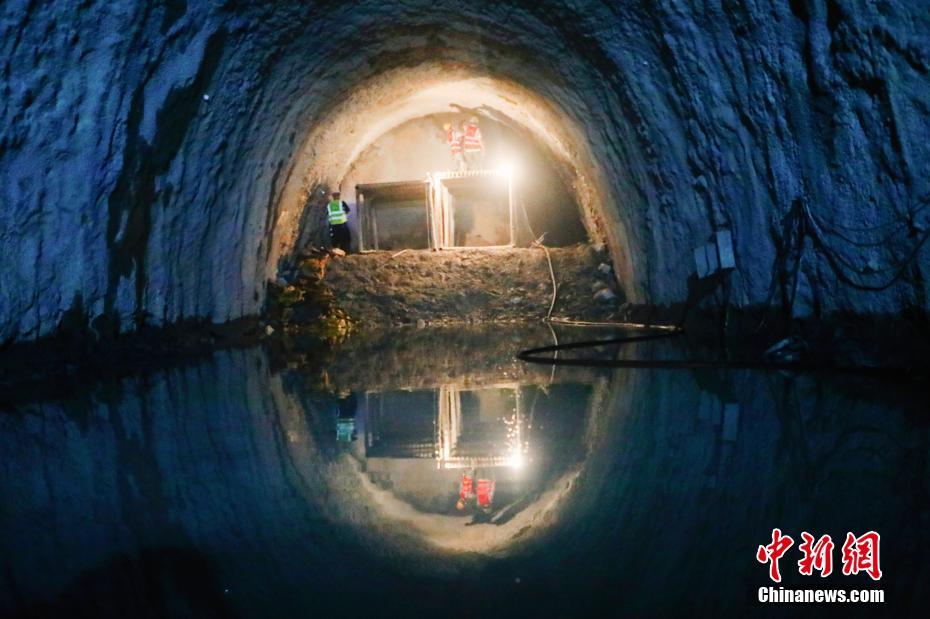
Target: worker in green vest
[337, 213]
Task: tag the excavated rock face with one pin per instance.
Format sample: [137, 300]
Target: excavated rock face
[156, 157]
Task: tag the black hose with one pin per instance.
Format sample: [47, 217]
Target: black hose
[532, 355]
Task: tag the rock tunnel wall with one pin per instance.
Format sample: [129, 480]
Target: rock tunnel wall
[155, 157]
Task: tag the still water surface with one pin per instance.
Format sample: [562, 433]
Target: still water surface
[259, 484]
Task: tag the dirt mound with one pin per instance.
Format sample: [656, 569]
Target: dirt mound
[475, 285]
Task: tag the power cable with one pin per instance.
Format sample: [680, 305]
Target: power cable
[795, 233]
[555, 286]
[836, 261]
[539, 243]
[888, 224]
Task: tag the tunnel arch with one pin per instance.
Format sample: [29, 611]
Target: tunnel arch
[336, 141]
[150, 159]
[206, 123]
[315, 81]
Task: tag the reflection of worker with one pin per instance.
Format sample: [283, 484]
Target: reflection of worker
[466, 492]
[478, 492]
[337, 213]
[345, 419]
[454, 140]
[472, 144]
[484, 494]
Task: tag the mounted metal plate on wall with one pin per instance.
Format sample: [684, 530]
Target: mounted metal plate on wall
[716, 255]
[725, 254]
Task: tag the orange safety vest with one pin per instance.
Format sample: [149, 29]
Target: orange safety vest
[454, 140]
[471, 141]
[485, 492]
[467, 489]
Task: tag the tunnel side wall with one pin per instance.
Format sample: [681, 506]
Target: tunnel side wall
[144, 147]
[741, 115]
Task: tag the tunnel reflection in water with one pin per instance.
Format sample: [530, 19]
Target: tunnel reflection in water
[235, 486]
[418, 445]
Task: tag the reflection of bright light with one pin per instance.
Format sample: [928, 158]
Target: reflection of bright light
[508, 168]
[516, 460]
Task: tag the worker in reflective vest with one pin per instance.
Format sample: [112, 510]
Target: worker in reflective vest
[485, 493]
[337, 213]
[479, 492]
[454, 141]
[466, 491]
[472, 144]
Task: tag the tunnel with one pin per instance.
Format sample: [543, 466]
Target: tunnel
[162, 177]
[709, 247]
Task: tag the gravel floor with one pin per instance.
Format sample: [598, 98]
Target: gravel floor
[499, 285]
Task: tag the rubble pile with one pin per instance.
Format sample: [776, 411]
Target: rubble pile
[307, 304]
[385, 289]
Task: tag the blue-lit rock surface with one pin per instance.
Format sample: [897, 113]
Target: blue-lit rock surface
[156, 158]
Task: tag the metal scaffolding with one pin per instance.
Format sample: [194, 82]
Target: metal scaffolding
[375, 200]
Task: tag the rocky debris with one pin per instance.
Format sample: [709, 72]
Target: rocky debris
[471, 286]
[605, 295]
[308, 305]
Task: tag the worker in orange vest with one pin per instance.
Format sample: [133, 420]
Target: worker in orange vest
[472, 144]
[484, 494]
[466, 491]
[481, 491]
[454, 140]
